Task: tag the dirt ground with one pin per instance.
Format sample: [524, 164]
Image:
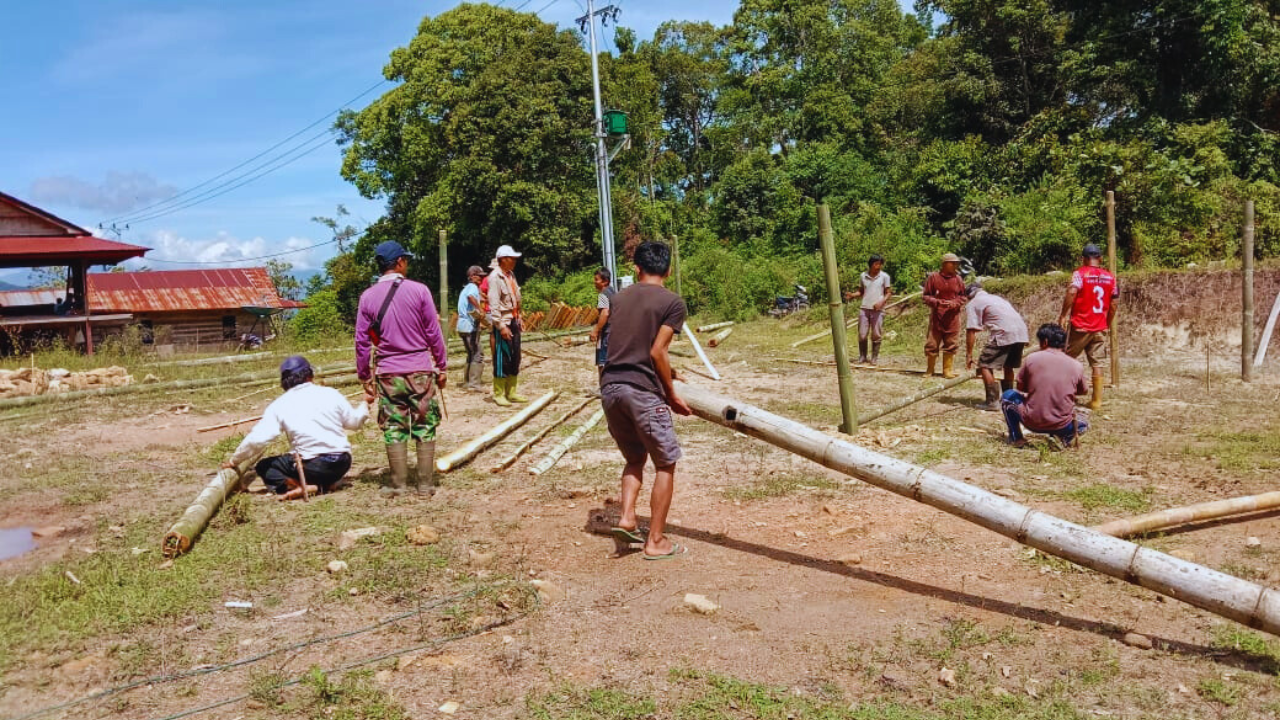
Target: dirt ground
[836, 599]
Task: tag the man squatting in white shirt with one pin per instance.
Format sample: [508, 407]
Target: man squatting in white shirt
[315, 419]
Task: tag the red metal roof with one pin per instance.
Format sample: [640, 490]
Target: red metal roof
[27, 251]
[184, 290]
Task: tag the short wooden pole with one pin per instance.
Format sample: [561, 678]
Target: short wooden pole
[844, 375]
[1246, 316]
[1111, 263]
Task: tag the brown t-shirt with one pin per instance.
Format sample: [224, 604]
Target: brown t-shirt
[1051, 380]
[635, 314]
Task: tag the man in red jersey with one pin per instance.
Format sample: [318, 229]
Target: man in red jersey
[1090, 303]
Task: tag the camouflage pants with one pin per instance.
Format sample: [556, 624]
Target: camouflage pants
[407, 407]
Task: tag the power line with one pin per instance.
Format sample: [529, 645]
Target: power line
[248, 259]
[227, 172]
[544, 7]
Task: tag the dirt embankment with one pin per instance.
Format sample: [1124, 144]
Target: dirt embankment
[1161, 311]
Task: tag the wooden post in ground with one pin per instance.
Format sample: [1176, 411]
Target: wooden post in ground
[444, 276]
[1111, 264]
[1217, 592]
[1246, 316]
[835, 300]
[675, 262]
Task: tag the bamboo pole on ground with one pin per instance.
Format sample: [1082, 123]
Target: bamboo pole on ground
[719, 337]
[714, 326]
[1111, 262]
[550, 459]
[702, 355]
[1188, 514]
[850, 323]
[696, 371]
[1211, 590]
[197, 515]
[477, 445]
[913, 399]
[844, 376]
[510, 460]
[1246, 296]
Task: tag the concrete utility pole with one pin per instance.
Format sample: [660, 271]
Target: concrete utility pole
[588, 22]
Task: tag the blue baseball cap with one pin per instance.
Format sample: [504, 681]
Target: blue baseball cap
[294, 364]
[1092, 251]
[390, 251]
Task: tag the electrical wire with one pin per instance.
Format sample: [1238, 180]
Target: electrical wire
[223, 174]
[544, 7]
[278, 163]
[259, 257]
[160, 679]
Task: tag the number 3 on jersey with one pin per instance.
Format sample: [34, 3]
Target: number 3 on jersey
[1100, 294]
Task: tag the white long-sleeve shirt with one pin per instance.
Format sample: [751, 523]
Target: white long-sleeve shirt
[315, 418]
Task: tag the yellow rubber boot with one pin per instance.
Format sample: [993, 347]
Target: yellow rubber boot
[948, 360]
[500, 392]
[1096, 402]
[512, 395]
[933, 365]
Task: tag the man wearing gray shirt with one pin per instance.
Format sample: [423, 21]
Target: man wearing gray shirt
[875, 287]
[1006, 338]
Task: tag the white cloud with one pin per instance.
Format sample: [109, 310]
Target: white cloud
[119, 192]
[171, 251]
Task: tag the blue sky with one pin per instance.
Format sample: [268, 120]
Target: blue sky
[114, 105]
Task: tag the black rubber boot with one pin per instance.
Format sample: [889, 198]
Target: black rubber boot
[993, 398]
[427, 468]
[875, 352]
[862, 352]
[398, 461]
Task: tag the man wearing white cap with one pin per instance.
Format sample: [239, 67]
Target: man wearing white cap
[504, 314]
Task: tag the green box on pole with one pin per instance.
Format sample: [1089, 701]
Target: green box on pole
[615, 122]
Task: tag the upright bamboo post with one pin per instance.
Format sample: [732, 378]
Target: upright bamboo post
[1205, 588]
[844, 375]
[1246, 316]
[1111, 264]
[444, 275]
[675, 261]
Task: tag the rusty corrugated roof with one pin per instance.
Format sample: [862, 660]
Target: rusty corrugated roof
[167, 291]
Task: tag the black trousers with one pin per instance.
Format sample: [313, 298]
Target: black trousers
[323, 471]
[471, 341]
[506, 353]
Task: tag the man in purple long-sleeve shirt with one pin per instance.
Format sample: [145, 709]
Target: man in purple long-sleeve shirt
[400, 358]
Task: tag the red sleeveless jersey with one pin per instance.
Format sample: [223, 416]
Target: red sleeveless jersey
[1095, 289]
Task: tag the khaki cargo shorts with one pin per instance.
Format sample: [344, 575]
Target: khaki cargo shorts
[1091, 344]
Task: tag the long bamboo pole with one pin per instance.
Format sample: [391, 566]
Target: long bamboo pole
[1246, 295]
[719, 337]
[477, 445]
[702, 355]
[714, 326]
[197, 515]
[444, 275]
[1111, 262]
[835, 302]
[913, 399]
[1217, 592]
[1266, 333]
[550, 459]
[854, 321]
[1188, 514]
[511, 459]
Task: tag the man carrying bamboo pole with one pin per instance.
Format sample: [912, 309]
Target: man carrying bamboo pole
[1090, 304]
[1006, 338]
[315, 419]
[1045, 399]
[944, 294]
[401, 360]
[637, 391]
[875, 288]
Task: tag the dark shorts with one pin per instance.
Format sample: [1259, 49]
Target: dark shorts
[1001, 357]
[641, 424]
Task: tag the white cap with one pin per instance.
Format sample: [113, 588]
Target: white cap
[507, 251]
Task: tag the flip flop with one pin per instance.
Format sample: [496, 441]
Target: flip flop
[623, 535]
[676, 550]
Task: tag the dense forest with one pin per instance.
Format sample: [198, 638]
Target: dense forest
[988, 127]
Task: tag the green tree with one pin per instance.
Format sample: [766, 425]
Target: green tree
[281, 274]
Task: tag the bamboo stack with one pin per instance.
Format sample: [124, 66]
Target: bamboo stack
[560, 317]
[1205, 588]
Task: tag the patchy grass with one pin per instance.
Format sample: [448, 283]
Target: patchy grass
[1262, 649]
[353, 697]
[1238, 451]
[574, 703]
[1092, 497]
[781, 486]
[1219, 691]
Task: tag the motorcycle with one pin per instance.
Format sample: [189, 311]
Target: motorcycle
[783, 305]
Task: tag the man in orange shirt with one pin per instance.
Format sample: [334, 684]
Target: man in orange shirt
[1090, 304]
[944, 294]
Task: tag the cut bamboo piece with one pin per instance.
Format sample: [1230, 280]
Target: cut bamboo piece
[188, 527]
[715, 326]
[510, 460]
[913, 399]
[575, 341]
[1191, 513]
[233, 423]
[854, 321]
[702, 355]
[1217, 592]
[557, 452]
[477, 445]
[719, 337]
